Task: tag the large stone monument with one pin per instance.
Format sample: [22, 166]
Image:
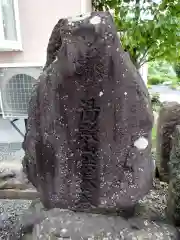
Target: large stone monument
[88, 140]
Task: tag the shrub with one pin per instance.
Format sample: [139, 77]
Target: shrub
[177, 69]
[155, 98]
[154, 80]
[161, 71]
[160, 68]
[155, 101]
[173, 86]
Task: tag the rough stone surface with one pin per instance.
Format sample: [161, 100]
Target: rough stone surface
[10, 169]
[14, 183]
[173, 202]
[88, 137]
[29, 193]
[12, 175]
[169, 117]
[65, 224]
[151, 209]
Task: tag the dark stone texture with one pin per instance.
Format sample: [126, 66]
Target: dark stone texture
[64, 224]
[48, 225]
[173, 201]
[69, 225]
[169, 117]
[88, 140]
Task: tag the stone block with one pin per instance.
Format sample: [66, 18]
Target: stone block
[169, 117]
[173, 201]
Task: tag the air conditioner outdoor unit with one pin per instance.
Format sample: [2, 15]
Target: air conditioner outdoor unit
[16, 84]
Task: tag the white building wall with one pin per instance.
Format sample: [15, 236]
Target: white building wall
[37, 19]
[144, 72]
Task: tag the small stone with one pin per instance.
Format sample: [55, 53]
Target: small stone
[10, 169]
[101, 93]
[141, 143]
[95, 20]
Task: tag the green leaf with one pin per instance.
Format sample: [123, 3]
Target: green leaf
[157, 37]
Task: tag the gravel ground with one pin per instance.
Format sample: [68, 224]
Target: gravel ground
[9, 212]
[154, 204]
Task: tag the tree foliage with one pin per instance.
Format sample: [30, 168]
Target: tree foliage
[149, 29]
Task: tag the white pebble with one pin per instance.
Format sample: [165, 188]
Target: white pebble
[141, 143]
[101, 93]
[95, 20]
[64, 230]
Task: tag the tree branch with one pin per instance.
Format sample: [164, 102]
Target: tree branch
[152, 58]
[144, 55]
[146, 52]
